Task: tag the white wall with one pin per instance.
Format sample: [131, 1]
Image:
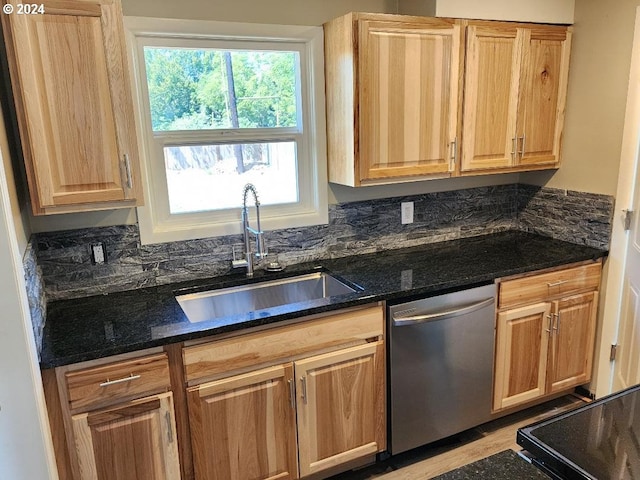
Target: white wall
[19, 207]
[25, 445]
[426, 8]
[283, 12]
[596, 97]
[543, 11]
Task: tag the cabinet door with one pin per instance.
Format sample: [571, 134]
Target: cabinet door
[543, 87]
[340, 407]
[74, 106]
[521, 354]
[491, 96]
[132, 441]
[572, 341]
[243, 427]
[408, 95]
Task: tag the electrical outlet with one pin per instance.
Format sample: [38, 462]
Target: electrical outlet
[406, 210]
[98, 253]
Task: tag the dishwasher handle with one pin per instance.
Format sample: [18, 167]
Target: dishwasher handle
[402, 321]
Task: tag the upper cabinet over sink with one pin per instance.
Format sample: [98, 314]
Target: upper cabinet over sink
[70, 80]
[392, 97]
[416, 97]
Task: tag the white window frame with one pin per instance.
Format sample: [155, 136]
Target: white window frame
[155, 221]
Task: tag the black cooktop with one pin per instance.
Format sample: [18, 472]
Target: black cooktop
[600, 440]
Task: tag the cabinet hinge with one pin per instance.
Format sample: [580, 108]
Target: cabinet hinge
[626, 218]
[614, 350]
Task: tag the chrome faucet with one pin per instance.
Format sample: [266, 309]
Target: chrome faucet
[261, 251]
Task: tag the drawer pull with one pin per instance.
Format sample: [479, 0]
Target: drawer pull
[120, 380]
[555, 284]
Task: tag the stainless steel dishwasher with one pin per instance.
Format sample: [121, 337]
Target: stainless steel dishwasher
[441, 366]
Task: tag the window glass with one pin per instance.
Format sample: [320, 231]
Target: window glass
[196, 89]
[212, 177]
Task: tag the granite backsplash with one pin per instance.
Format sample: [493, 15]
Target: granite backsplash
[35, 292]
[576, 217]
[354, 228]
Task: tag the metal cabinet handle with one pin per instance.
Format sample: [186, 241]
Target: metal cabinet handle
[550, 329]
[454, 152]
[557, 328]
[130, 378]
[303, 383]
[292, 393]
[523, 139]
[127, 170]
[555, 284]
[167, 417]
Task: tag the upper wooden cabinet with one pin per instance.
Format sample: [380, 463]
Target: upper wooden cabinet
[514, 96]
[397, 109]
[74, 107]
[392, 97]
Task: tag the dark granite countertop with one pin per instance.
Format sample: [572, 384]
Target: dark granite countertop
[505, 465]
[99, 326]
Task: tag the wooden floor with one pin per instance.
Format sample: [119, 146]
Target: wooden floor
[493, 437]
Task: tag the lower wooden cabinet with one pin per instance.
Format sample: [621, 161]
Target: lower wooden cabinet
[521, 355]
[340, 407]
[133, 440]
[114, 418]
[244, 427]
[545, 347]
[572, 337]
[304, 399]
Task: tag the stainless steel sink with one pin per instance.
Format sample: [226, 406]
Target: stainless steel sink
[224, 302]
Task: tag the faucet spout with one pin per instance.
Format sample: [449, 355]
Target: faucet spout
[247, 230]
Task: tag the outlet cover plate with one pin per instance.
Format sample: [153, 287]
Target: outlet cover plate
[406, 210]
[98, 253]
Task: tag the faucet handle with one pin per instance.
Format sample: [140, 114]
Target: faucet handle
[237, 262]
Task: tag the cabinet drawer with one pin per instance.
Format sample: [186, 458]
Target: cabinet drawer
[539, 288]
[97, 386]
[280, 343]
